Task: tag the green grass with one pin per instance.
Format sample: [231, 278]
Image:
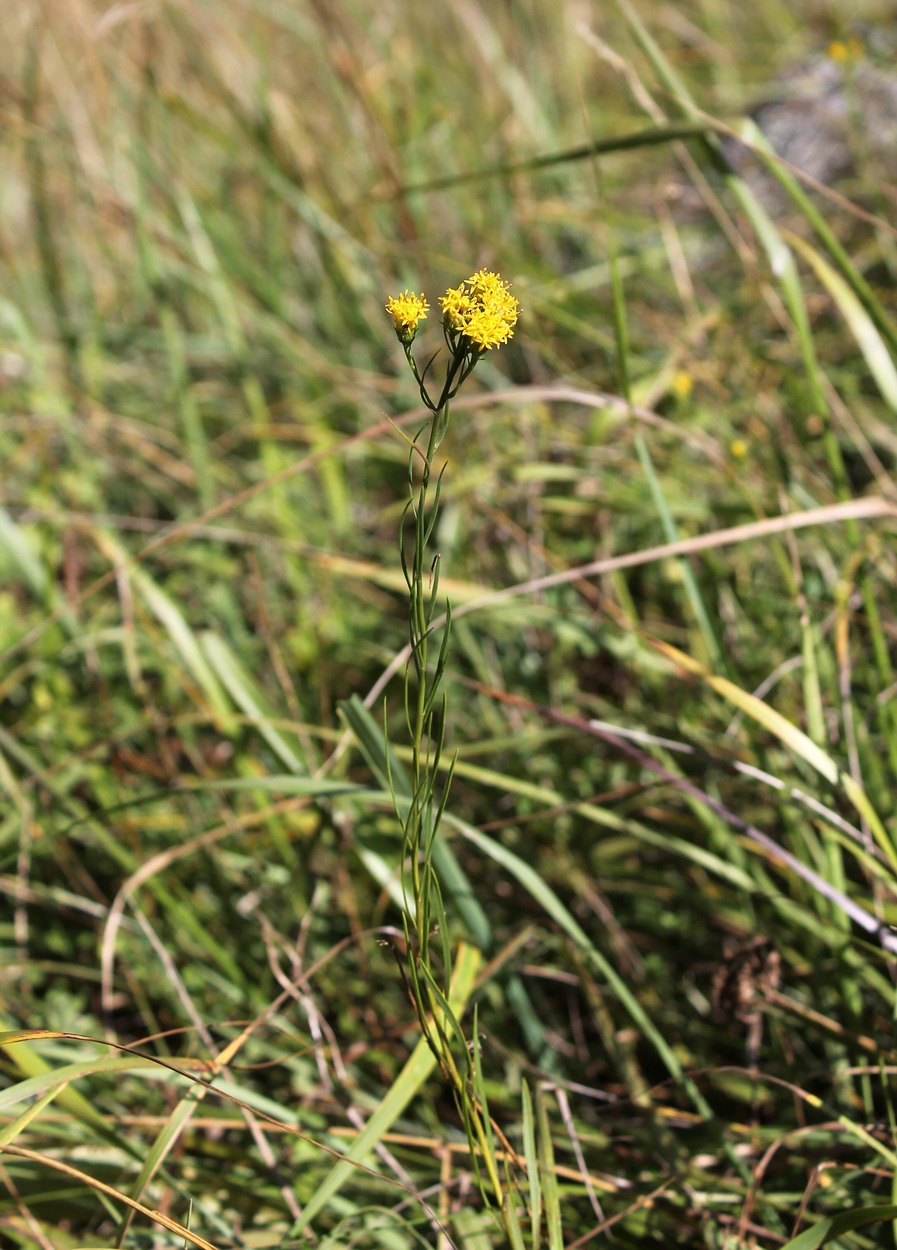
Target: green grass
[667, 867]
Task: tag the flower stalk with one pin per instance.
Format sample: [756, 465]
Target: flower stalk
[478, 315]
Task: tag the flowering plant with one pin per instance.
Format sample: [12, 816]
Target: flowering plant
[478, 315]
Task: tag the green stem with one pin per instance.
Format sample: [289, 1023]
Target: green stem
[425, 719]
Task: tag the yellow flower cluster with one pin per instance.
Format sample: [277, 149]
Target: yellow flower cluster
[481, 313]
[406, 311]
[482, 309]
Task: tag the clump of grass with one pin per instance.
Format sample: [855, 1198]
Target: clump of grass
[658, 1000]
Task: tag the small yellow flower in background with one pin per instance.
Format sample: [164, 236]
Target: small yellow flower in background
[406, 311]
[482, 309]
[738, 448]
[845, 50]
[682, 384]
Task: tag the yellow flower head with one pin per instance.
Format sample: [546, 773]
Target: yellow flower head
[683, 385]
[845, 50]
[406, 311]
[482, 309]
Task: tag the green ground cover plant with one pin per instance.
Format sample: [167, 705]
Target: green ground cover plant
[462, 833]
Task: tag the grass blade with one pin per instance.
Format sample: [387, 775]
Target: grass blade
[410, 1080]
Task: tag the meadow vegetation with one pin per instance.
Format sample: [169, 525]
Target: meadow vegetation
[647, 996]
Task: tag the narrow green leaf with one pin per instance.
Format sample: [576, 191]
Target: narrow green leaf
[837, 1225]
[532, 1168]
[247, 696]
[418, 1068]
[810, 1238]
[860, 324]
[23, 557]
[21, 1122]
[391, 774]
[553, 1223]
[184, 639]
